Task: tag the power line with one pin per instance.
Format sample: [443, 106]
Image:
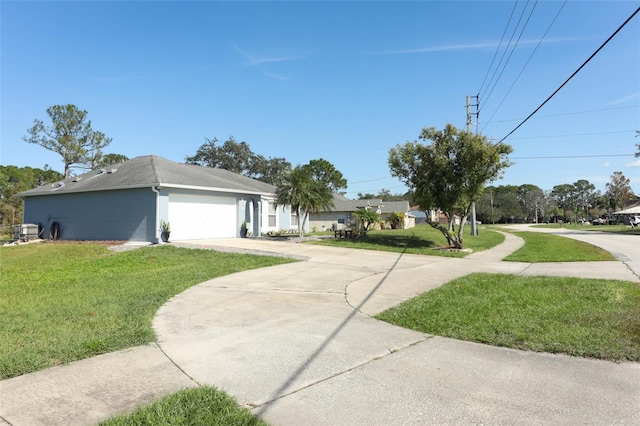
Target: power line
[513, 49]
[364, 191]
[575, 134]
[574, 156]
[526, 64]
[574, 73]
[515, 5]
[370, 180]
[571, 113]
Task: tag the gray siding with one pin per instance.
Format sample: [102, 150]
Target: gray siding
[104, 215]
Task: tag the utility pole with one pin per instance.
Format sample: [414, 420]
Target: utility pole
[474, 224]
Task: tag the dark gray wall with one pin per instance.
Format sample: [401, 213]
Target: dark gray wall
[105, 215]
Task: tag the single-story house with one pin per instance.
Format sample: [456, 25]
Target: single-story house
[625, 215]
[341, 215]
[633, 210]
[128, 201]
[422, 216]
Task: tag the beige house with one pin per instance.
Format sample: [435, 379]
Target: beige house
[342, 215]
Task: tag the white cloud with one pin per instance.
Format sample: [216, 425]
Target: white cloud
[474, 46]
[119, 78]
[625, 99]
[605, 164]
[256, 60]
[275, 76]
[633, 164]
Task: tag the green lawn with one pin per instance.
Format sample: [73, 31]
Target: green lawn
[422, 239]
[542, 247]
[62, 302]
[68, 301]
[580, 317]
[197, 406]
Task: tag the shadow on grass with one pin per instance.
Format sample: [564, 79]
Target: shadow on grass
[399, 241]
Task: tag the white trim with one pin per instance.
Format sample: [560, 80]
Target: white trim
[213, 189]
[157, 227]
[155, 185]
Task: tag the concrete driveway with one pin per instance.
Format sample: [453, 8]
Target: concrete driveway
[296, 343]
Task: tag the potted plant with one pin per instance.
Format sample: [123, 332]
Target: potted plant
[244, 230]
[165, 231]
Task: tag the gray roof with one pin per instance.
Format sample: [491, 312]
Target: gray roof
[152, 171]
[395, 206]
[343, 204]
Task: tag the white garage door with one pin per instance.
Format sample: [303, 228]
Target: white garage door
[198, 216]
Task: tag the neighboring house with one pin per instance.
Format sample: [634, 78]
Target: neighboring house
[422, 216]
[127, 201]
[342, 215]
[435, 216]
[629, 214]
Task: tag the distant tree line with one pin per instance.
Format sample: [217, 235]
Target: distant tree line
[18, 179]
[568, 202]
[385, 195]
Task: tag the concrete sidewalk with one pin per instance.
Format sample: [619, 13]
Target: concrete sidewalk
[297, 344]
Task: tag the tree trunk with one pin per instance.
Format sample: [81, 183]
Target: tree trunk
[300, 224]
[306, 218]
[448, 233]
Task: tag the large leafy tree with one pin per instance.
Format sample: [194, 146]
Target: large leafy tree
[326, 173]
[233, 156]
[564, 197]
[619, 191]
[487, 210]
[547, 206]
[500, 204]
[15, 179]
[584, 196]
[108, 160]
[269, 170]
[70, 135]
[530, 197]
[305, 192]
[449, 173]
[238, 157]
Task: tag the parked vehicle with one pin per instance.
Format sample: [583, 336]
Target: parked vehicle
[599, 221]
[634, 221]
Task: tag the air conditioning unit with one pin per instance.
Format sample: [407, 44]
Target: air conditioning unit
[26, 231]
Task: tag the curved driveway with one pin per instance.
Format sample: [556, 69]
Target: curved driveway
[296, 343]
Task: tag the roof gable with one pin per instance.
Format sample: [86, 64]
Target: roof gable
[395, 206]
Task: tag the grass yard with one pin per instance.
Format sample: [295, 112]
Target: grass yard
[196, 406]
[579, 317]
[63, 302]
[422, 239]
[543, 247]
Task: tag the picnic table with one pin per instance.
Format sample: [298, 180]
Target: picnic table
[343, 233]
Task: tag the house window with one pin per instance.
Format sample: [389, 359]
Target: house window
[341, 219]
[272, 215]
[294, 219]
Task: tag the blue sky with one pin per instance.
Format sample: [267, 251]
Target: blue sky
[343, 81]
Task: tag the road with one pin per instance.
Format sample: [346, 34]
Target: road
[624, 247]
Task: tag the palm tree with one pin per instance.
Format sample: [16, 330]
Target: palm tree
[303, 193]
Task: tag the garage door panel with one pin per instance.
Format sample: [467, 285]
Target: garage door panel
[196, 217]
